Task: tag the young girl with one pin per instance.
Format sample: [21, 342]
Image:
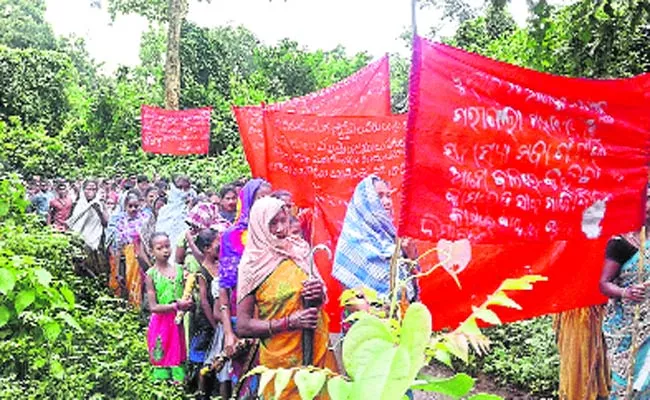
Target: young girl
[165, 339]
[208, 242]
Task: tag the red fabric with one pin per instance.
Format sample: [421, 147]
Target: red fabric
[320, 160]
[440, 76]
[501, 153]
[367, 92]
[175, 132]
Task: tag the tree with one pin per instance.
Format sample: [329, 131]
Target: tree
[23, 25]
[172, 12]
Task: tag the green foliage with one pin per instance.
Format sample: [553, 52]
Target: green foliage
[34, 86]
[524, 354]
[30, 149]
[59, 333]
[23, 25]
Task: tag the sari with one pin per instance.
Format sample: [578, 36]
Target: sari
[126, 276]
[233, 243]
[278, 297]
[273, 270]
[584, 371]
[86, 222]
[618, 329]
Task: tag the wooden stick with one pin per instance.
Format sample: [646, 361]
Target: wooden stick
[637, 315]
[394, 261]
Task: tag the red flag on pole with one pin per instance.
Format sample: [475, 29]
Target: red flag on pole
[176, 132]
[367, 92]
[498, 153]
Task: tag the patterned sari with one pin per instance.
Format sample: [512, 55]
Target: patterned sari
[277, 297]
[618, 329]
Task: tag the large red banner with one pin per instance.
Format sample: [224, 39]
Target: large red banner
[498, 153]
[175, 132]
[367, 92]
[322, 159]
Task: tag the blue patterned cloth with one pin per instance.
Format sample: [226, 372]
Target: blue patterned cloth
[618, 331]
[367, 244]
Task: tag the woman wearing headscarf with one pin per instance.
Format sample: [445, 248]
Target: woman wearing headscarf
[201, 216]
[233, 242]
[147, 231]
[88, 220]
[124, 233]
[367, 243]
[274, 280]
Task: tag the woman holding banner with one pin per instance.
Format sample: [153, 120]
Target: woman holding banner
[627, 338]
[368, 240]
[274, 280]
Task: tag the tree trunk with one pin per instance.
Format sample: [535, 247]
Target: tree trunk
[173, 62]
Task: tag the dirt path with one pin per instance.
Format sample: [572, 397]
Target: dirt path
[483, 385]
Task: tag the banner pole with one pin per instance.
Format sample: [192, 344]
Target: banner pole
[414, 24]
[637, 316]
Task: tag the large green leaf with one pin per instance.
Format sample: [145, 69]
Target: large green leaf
[457, 386]
[44, 277]
[385, 378]
[4, 207]
[282, 378]
[67, 294]
[7, 281]
[415, 335]
[309, 383]
[51, 330]
[24, 299]
[362, 331]
[364, 354]
[5, 314]
[338, 388]
[57, 370]
[70, 320]
[265, 378]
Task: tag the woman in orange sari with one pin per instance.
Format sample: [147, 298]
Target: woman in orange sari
[274, 279]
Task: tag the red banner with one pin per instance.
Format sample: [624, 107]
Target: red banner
[322, 159]
[503, 154]
[367, 92]
[175, 132]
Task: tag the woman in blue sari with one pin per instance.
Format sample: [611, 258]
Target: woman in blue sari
[620, 281]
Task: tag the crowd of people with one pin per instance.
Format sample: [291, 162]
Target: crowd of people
[225, 276]
[226, 279]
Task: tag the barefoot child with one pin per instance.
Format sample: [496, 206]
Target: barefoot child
[165, 339]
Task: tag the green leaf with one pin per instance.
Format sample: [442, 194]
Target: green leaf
[386, 378]
[7, 281]
[4, 207]
[282, 378]
[502, 299]
[265, 378]
[44, 277]
[485, 396]
[24, 299]
[523, 283]
[5, 314]
[70, 321]
[309, 383]
[364, 354]
[457, 386]
[338, 388]
[415, 335]
[67, 294]
[364, 330]
[443, 356]
[56, 369]
[51, 330]
[486, 315]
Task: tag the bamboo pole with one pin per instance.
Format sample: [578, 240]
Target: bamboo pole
[637, 311]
